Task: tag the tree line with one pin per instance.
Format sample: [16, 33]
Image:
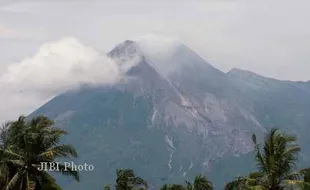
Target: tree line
[25, 144]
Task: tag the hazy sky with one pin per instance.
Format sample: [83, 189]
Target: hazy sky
[269, 37]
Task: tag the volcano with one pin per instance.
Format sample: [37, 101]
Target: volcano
[173, 115]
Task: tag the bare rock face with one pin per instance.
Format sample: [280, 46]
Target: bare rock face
[171, 116]
[194, 95]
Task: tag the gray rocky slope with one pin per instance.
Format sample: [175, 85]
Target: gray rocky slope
[173, 115]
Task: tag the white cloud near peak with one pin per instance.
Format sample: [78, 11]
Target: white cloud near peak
[58, 66]
[55, 68]
[271, 38]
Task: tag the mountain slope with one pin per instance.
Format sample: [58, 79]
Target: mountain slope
[278, 103]
[171, 116]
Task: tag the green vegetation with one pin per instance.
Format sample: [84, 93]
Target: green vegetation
[127, 180]
[276, 162]
[200, 183]
[24, 145]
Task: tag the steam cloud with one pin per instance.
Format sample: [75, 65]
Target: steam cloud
[55, 68]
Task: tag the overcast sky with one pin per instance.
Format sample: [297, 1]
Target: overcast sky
[269, 37]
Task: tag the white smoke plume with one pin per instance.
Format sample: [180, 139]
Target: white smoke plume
[56, 67]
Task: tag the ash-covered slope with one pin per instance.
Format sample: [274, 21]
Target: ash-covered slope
[171, 116]
[193, 94]
[284, 104]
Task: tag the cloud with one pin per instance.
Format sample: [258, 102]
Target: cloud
[271, 38]
[157, 44]
[268, 37]
[7, 32]
[159, 50]
[55, 68]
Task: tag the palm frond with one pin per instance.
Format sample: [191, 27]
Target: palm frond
[67, 171]
[8, 154]
[14, 181]
[297, 183]
[65, 151]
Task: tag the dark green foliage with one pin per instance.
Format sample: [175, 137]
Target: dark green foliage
[127, 180]
[200, 183]
[276, 162]
[24, 145]
[107, 187]
[172, 187]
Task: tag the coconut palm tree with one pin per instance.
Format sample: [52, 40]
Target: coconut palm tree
[200, 183]
[107, 187]
[24, 146]
[172, 187]
[251, 182]
[2, 182]
[3, 172]
[276, 161]
[127, 180]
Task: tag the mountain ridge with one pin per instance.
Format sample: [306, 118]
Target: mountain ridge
[186, 120]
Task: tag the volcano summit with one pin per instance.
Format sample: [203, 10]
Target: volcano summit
[173, 115]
